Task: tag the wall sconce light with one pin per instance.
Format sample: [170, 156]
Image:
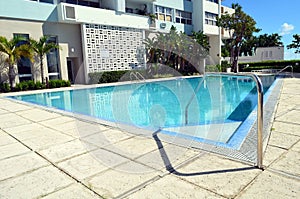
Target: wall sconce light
[72, 49]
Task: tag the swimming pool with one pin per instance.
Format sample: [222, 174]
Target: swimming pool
[218, 109]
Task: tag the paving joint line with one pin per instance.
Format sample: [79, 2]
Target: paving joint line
[283, 173]
[53, 164]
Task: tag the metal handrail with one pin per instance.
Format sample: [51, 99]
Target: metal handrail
[289, 66]
[136, 74]
[260, 102]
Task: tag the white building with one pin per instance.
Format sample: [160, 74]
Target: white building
[103, 35]
[263, 54]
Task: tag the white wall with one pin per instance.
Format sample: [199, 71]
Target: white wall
[105, 17]
[198, 15]
[69, 36]
[215, 49]
[263, 54]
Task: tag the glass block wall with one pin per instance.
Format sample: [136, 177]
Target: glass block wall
[109, 48]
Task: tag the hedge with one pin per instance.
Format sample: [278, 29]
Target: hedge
[126, 75]
[270, 65]
[31, 85]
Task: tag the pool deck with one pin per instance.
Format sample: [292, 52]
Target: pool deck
[45, 154]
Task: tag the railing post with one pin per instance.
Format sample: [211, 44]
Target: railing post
[260, 102]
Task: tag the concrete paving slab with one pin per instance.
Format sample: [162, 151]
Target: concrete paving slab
[12, 120]
[73, 124]
[219, 175]
[286, 127]
[6, 139]
[133, 147]
[136, 168]
[172, 187]
[271, 154]
[66, 150]
[118, 182]
[13, 106]
[296, 147]
[47, 140]
[2, 111]
[29, 131]
[288, 163]
[282, 140]
[11, 150]
[116, 135]
[37, 115]
[91, 163]
[107, 137]
[271, 185]
[74, 191]
[85, 129]
[290, 117]
[57, 121]
[21, 164]
[169, 155]
[34, 184]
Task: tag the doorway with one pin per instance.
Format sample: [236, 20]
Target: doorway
[70, 65]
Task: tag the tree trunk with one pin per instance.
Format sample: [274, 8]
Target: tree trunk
[42, 69]
[11, 76]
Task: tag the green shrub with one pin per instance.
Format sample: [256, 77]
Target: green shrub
[106, 77]
[57, 83]
[66, 83]
[5, 87]
[18, 87]
[52, 84]
[31, 85]
[212, 68]
[248, 67]
[39, 85]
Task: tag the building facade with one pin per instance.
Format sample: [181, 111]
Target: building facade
[274, 53]
[103, 35]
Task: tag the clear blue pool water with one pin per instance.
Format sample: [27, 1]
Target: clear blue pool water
[159, 104]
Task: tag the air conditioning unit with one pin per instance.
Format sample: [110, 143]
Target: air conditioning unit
[163, 25]
[70, 12]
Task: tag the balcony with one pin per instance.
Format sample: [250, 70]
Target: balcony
[28, 10]
[70, 13]
[139, 7]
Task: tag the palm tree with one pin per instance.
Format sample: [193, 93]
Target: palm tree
[14, 53]
[295, 43]
[41, 48]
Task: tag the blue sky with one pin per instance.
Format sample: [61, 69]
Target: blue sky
[274, 16]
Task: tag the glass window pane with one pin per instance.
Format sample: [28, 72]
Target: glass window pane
[52, 57]
[168, 11]
[160, 9]
[47, 1]
[161, 17]
[168, 18]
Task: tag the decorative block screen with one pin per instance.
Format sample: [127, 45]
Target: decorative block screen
[110, 48]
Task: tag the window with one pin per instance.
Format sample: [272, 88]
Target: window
[211, 18]
[24, 64]
[44, 1]
[214, 1]
[52, 60]
[183, 17]
[83, 3]
[163, 13]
